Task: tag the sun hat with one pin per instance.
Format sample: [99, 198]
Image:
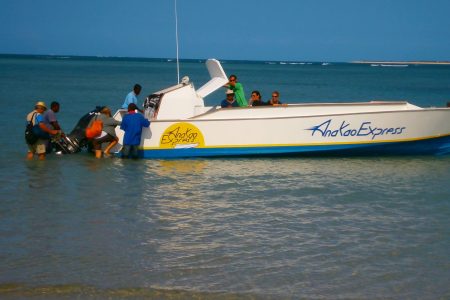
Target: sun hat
[229, 92]
[41, 103]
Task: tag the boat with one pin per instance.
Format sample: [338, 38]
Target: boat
[183, 127]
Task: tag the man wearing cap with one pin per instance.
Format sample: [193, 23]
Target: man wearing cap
[229, 101]
[37, 119]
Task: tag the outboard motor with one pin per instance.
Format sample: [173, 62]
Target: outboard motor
[151, 105]
[66, 145]
[76, 139]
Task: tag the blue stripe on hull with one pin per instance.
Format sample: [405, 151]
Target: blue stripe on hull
[437, 146]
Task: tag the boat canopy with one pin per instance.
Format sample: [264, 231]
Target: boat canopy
[218, 78]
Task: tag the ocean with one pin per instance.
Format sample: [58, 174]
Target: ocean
[75, 227]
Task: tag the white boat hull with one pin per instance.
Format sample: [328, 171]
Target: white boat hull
[183, 127]
[394, 132]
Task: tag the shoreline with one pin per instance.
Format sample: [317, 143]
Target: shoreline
[403, 62]
[162, 59]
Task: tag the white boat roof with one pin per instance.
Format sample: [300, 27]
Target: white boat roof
[218, 78]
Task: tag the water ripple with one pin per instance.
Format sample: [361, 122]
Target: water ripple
[314, 228]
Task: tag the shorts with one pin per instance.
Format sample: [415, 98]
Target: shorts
[97, 143]
[39, 147]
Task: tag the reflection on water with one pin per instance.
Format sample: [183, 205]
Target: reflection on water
[177, 167]
[315, 227]
[202, 177]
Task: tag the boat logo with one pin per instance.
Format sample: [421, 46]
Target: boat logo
[182, 136]
[366, 129]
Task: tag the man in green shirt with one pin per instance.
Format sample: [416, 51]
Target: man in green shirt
[238, 90]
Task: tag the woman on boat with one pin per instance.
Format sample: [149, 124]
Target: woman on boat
[275, 101]
[255, 99]
[108, 133]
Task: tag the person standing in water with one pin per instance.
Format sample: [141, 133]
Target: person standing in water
[108, 134]
[51, 122]
[132, 124]
[36, 119]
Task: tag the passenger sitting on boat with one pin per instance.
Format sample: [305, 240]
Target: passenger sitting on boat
[108, 133]
[255, 99]
[275, 101]
[229, 101]
[238, 89]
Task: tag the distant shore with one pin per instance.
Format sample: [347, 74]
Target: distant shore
[403, 62]
[202, 60]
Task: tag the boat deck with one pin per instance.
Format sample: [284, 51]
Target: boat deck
[303, 110]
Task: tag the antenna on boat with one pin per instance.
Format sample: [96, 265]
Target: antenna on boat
[176, 37]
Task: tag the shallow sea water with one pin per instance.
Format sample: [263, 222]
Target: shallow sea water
[269, 228]
[74, 227]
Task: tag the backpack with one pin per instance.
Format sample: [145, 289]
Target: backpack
[95, 128]
[30, 136]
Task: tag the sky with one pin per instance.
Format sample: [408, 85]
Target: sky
[280, 30]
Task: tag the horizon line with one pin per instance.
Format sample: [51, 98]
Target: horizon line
[169, 59]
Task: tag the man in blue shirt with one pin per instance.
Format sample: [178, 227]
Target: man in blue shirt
[51, 122]
[132, 96]
[50, 116]
[132, 124]
[229, 101]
